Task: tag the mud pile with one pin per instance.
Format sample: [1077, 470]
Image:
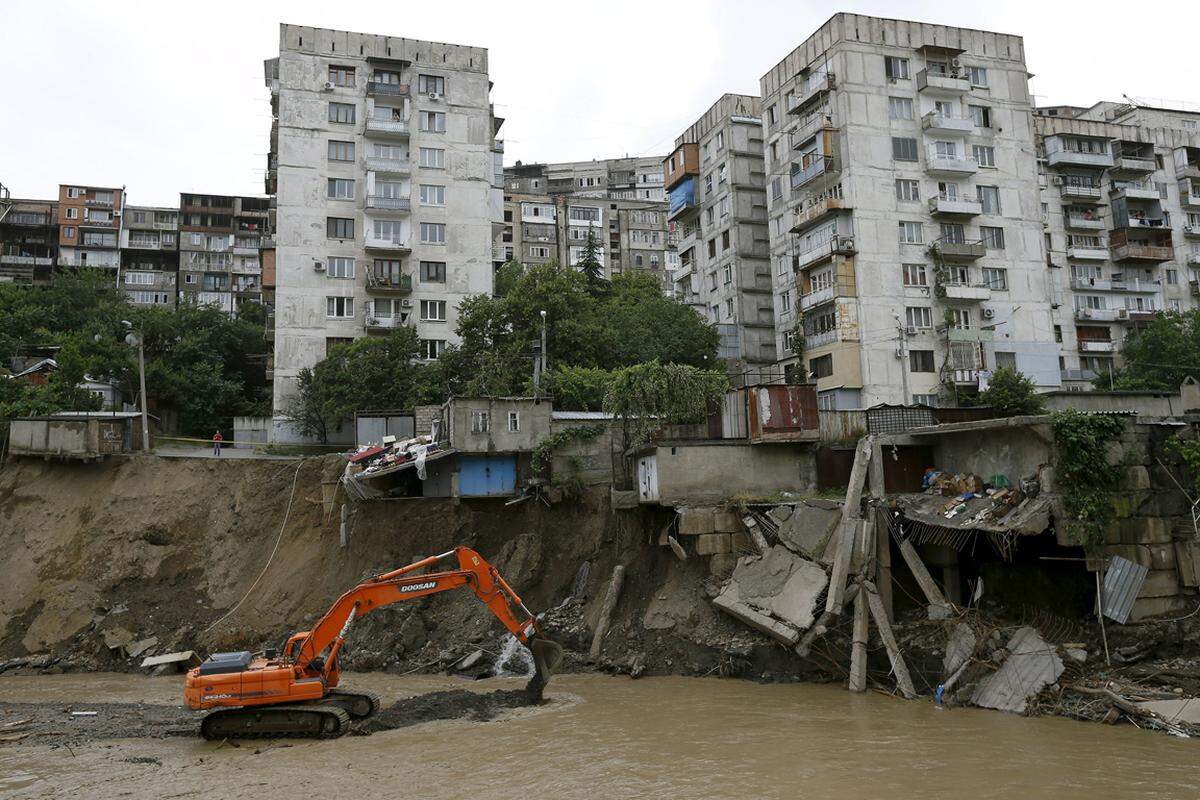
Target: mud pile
[453, 704]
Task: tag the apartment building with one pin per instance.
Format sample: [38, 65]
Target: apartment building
[1120, 189]
[550, 209]
[219, 241]
[28, 239]
[718, 210]
[89, 232]
[902, 196]
[388, 178]
[150, 255]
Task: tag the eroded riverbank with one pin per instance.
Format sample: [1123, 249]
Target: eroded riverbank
[616, 738]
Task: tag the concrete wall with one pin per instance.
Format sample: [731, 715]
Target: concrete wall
[1013, 452]
[711, 472]
[590, 461]
[248, 431]
[534, 424]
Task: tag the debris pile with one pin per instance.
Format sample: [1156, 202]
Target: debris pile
[371, 459]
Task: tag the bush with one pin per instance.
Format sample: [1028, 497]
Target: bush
[1011, 394]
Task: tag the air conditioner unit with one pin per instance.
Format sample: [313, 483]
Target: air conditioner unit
[988, 313]
[116, 212]
[435, 96]
[899, 352]
[372, 321]
[911, 330]
[406, 303]
[846, 244]
[318, 266]
[955, 63]
[328, 86]
[1057, 180]
[1122, 313]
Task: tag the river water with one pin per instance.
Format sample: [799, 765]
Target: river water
[602, 737]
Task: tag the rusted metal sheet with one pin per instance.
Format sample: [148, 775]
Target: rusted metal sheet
[1122, 582]
[842, 426]
[783, 413]
[111, 438]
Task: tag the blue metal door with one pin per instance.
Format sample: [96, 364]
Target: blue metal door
[487, 476]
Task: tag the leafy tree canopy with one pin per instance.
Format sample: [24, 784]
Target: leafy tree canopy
[1160, 354]
[1011, 394]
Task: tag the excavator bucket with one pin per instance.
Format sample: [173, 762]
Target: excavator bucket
[547, 654]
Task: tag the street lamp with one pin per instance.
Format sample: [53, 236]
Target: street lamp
[135, 340]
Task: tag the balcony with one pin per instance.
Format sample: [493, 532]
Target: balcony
[964, 292]
[267, 243]
[1117, 284]
[808, 128]
[95, 223]
[389, 166]
[1195, 287]
[817, 86]
[98, 203]
[816, 212]
[1142, 223]
[1134, 191]
[1132, 165]
[950, 163]
[1081, 223]
[383, 324]
[820, 297]
[1136, 316]
[968, 376]
[815, 340]
[387, 128]
[947, 206]
[1189, 193]
[245, 250]
[1078, 374]
[382, 203]
[1143, 252]
[1097, 346]
[144, 244]
[1078, 191]
[386, 245]
[947, 123]
[1192, 259]
[1191, 231]
[970, 335]
[952, 82]
[1101, 314]
[26, 261]
[1087, 253]
[963, 250]
[378, 89]
[817, 166]
[1075, 158]
[388, 284]
[837, 245]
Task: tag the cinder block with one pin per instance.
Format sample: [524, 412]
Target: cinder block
[1135, 478]
[708, 544]
[727, 522]
[1160, 583]
[1145, 530]
[1153, 556]
[695, 521]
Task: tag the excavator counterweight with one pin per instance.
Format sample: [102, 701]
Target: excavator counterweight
[294, 692]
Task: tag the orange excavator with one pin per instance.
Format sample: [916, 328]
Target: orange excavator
[294, 693]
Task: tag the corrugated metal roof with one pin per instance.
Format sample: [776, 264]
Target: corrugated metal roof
[1122, 582]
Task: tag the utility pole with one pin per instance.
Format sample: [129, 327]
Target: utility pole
[544, 355]
[903, 333]
[133, 339]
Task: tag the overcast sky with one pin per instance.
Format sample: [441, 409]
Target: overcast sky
[164, 97]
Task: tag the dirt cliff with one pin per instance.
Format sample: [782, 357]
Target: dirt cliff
[149, 548]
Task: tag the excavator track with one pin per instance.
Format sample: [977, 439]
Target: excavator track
[314, 721]
[359, 705]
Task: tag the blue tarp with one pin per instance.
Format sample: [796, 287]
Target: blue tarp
[683, 194]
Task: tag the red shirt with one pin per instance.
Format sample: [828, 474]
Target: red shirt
[217, 437]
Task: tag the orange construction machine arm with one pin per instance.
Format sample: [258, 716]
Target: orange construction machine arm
[399, 585]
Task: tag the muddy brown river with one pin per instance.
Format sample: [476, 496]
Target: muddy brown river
[601, 738]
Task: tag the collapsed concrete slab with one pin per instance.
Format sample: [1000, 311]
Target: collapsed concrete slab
[808, 529]
[1031, 666]
[776, 593]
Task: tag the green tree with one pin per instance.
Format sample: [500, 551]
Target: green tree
[645, 397]
[1011, 394]
[578, 388]
[1160, 354]
[589, 262]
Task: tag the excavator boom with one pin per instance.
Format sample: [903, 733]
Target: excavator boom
[294, 694]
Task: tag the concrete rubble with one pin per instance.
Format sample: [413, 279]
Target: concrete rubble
[1032, 665]
[776, 593]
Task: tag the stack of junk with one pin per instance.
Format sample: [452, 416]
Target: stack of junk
[374, 458]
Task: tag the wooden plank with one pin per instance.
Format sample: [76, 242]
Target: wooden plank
[899, 668]
[858, 653]
[929, 587]
[606, 611]
[881, 573]
[847, 530]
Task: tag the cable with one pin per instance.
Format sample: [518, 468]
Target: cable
[271, 558]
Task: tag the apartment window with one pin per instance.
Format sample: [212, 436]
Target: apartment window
[895, 68]
[189, 278]
[1172, 276]
[339, 267]
[915, 275]
[909, 191]
[980, 115]
[712, 248]
[904, 149]
[953, 232]
[481, 421]
[341, 112]
[993, 238]
[771, 116]
[723, 173]
[514, 421]
[712, 282]
[724, 241]
[729, 308]
[900, 108]
[978, 76]
[989, 198]
[74, 192]
[984, 154]
[431, 349]
[785, 304]
[728, 274]
[821, 367]
[920, 361]
[721, 138]
[539, 251]
[72, 212]
[387, 271]
[340, 189]
[339, 228]
[341, 151]
[919, 317]
[433, 310]
[389, 230]
[433, 121]
[708, 184]
[1006, 359]
[583, 214]
[341, 76]
[774, 152]
[776, 188]
[433, 157]
[431, 83]
[433, 232]
[339, 307]
[910, 233]
[960, 318]
[432, 195]
[433, 271]
[995, 278]
[782, 265]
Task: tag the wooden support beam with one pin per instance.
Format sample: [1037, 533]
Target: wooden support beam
[606, 611]
[848, 529]
[899, 668]
[858, 653]
[881, 574]
[933, 595]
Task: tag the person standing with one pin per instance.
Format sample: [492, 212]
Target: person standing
[217, 439]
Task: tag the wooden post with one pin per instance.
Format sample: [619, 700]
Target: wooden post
[899, 668]
[928, 586]
[848, 528]
[883, 560]
[606, 611]
[342, 534]
[858, 655]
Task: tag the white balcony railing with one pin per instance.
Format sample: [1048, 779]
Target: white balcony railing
[955, 162]
[391, 166]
